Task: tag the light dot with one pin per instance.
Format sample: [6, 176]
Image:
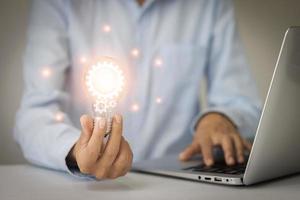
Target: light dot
[46, 72]
[158, 100]
[158, 62]
[83, 60]
[135, 107]
[106, 28]
[59, 116]
[135, 52]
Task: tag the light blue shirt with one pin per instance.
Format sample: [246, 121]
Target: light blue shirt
[180, 44]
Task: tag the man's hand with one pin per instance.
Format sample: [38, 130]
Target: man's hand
[217, 130]
[95, 157]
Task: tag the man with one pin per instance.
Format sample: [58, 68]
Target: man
[168, 47]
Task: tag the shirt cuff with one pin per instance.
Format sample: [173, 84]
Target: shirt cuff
[236, 117]
[69, 142]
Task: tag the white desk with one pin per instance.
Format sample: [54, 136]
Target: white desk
[27, 182]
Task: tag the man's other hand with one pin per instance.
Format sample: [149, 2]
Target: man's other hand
[217, 130]
[104, 160]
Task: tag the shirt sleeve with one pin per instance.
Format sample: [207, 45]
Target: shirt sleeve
[231, 89]
[43, 130]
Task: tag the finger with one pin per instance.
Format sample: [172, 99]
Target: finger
[122, 163]
[96, 139]
[206, 149]
[189, 151]
[87, 128]
[113, 145]
[228, 150]
[247, 145]
[239, 148]
[129, 156]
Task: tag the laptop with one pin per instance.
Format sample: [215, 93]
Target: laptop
[277, 141]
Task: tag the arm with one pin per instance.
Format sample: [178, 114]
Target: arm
[44, 140]
[230, 85]
[233, 104]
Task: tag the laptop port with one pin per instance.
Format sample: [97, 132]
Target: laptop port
[217, 179]
[207, 178]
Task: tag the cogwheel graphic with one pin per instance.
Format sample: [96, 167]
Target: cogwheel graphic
[105, 81]
[103, 106]
[100, 107]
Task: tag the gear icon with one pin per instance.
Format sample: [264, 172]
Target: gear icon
[100, 107]
[105, 80]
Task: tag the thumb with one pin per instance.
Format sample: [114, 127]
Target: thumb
[189, 151]
[87, 125]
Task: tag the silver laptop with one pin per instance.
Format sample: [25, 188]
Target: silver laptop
[277, 141]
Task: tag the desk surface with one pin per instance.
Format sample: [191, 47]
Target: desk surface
[27, 182]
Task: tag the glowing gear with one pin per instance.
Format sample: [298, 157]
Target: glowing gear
[105, 80]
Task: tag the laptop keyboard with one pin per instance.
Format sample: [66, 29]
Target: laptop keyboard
[219, 168]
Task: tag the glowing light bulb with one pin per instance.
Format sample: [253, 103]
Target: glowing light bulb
[105, 82]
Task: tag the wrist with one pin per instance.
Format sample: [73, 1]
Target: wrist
[214, 117]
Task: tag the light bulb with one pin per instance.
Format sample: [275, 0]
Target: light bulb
[105, 83]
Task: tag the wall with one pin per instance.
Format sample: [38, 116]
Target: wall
[13, 15]
[262, 24]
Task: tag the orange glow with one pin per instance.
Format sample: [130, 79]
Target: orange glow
[46, 72]
[135, 52]
[106, 28]
[59, 117]
[108, 81]
[158, 100]
[105, 80]
[135, 107]
[158, 62]
[103, 83]
[83, 59]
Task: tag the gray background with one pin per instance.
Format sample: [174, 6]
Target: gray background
[262, 24]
